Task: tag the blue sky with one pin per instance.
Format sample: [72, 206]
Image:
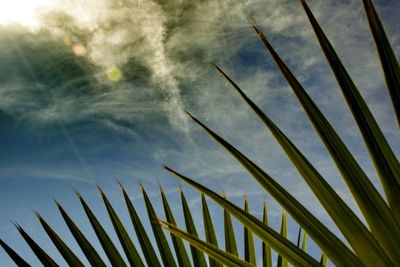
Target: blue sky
[92, 92]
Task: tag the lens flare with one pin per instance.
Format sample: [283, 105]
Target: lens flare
[79, 50]
[114, 74]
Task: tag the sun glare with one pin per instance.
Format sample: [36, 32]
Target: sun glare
[24, 12]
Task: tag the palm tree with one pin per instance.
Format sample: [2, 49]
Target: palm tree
[372, 244]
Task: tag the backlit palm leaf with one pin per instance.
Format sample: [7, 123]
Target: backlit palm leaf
[281, 261]
[197, 255]
[180, 250]
[249, 250]
[266, 249]
[209, 229]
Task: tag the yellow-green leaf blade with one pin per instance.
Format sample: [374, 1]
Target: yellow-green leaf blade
[105, 241]
[304, 243]
[338, 251]
[384, 222]
[324, 260]
[388, 59]
[367, 197]
[267, 234]
[229, 234]
[180, 250]
[360, 238]
[282, 262]
[209, 229]
[147, 248]
[127, 244]
[163, 246]
[249, 250]
[266, 249]
[223, 257]
[197, 255]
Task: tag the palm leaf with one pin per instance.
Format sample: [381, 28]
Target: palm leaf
[267, 234]
[19, 261]
[304, 243]
[43, 257]
[127, 244]
[89, 251]
[109, 248]
[197, 255]
[378, 216]
[359, 237]
[180, 250]
[324, 260]
[298, 237]
[229, 233]
[249, 250]
[144, 241]
[266, 249]
[281, 262]
[162, 243]
[390, 65]
[64, 250]
[223, 257]
[333, 246]
[367, 197]
[209, 230]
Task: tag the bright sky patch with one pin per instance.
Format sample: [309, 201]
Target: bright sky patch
[23, 12]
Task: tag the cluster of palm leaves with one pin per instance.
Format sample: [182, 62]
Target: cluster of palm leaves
[374, 243]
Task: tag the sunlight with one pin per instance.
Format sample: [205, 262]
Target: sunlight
[23, 12]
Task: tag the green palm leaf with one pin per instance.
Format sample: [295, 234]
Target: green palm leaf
[180, 250]
[89, 251]
[382, 155]
[144, 241]
[390, 65]
[64, 250]
[197, 255]
[162, 243]
[379, 218]
[333, 246]
[127, 244]
[213, 251]
[304, 243]
[209, 229]
[229, 233]
[281, 262]
[43, 257]
[266, 249]
[359, 237]
[14, 255]
[249, 250]
[267, 234]
[109, 248]
[298, 237]
[324, 260]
